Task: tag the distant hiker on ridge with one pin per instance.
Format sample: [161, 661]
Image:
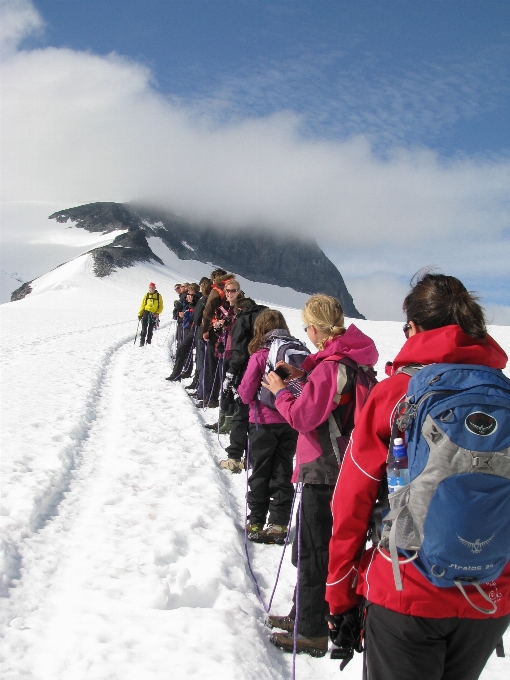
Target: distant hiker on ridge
[150, 309]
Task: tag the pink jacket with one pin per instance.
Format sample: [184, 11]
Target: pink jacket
[316, 402]
[259, 413]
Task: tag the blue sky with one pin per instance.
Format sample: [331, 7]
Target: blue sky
[379, 127]
[410, 71]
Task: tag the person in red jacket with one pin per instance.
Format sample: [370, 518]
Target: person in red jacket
[423, 632]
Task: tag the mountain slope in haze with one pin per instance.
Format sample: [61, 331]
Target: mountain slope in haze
[254, 254]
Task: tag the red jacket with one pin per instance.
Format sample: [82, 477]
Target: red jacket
[354, 571]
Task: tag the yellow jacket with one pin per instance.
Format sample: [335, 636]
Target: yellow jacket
[152, 302]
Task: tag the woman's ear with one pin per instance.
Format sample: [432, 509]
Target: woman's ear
[415, 328]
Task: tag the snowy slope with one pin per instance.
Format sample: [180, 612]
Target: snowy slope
[122, 553]
[32, 245]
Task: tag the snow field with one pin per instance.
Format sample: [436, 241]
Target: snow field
[123, 550]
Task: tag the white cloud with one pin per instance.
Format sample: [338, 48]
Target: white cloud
[18, 19]
[78, 127]
[379, 295]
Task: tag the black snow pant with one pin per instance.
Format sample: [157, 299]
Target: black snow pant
[402, 647]
[148, 323]
[212, 378]
[179, 335]
[200, 344]
[183, 364]
[314, 533]
[239, 432]
[272, 449]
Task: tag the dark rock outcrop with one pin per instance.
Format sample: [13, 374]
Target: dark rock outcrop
[257, 255]
[21, 292]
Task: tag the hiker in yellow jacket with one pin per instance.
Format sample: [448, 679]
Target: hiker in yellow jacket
[151, 308]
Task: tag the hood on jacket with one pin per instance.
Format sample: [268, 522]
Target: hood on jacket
[353, 344]
[450, 345]
[223, 280]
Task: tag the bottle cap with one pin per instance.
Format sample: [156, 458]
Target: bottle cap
[398, 441]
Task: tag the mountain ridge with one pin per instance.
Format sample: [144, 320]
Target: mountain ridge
[254, 254]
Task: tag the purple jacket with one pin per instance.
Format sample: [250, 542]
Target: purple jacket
[316, 401]
[259, 413]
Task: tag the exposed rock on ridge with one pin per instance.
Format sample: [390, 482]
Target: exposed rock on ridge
[254, 254]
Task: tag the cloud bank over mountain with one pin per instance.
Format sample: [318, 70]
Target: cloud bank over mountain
[79, 127]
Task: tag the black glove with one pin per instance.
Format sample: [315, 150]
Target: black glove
[140, 317]
[346, 634]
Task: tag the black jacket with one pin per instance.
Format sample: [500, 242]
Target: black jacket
[242, 333]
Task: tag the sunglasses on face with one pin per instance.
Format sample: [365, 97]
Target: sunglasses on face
[231, 290]
[406, 328]
[305, 328]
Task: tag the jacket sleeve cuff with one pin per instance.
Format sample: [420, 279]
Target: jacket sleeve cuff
[284, 389]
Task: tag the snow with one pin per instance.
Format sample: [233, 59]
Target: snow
[186, 245]
[32, 244]
[122, 550]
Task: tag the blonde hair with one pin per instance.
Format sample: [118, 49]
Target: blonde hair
[194, 287]
[326, 314]
[267, 320]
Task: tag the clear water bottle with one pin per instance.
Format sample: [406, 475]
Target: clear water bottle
[398, 470]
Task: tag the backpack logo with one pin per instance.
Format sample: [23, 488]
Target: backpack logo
[481, 423]
[478, 545]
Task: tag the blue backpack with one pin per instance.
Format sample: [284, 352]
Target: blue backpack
[453, 519]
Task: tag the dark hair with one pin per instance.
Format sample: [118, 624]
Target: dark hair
[267, 320]
[436, 300]
[205, 286]
[217, 273]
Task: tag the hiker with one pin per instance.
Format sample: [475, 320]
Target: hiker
[324, 410]
[183, 365]
[179, 311]
[150, 309]
[212, 376]
[224, 320]
[272, 439]
[422, 631]
[194, 388]
[247, 311]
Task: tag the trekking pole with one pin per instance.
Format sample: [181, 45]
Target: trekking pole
[136, 334]
[296, 616]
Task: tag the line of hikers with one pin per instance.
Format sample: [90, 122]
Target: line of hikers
[320, 421]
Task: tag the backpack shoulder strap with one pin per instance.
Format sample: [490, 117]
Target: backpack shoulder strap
[410, 369]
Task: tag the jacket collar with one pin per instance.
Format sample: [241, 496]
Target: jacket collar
[450, 345]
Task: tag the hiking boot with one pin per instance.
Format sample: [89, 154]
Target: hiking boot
[273, 533]
[191, 388]
[213, 403]
[227, 425]
[314, 646]
[253, 528]
[174, 378]
[235, 467]
[281, 622]
[215, 426]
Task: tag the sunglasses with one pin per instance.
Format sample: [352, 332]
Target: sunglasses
[305, 328]
[231, 290]
[406, 328]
